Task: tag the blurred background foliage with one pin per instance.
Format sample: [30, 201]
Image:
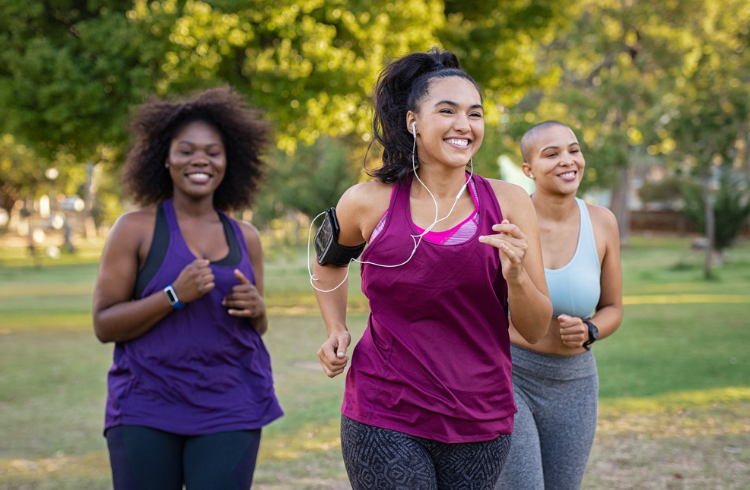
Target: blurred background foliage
[644, 84]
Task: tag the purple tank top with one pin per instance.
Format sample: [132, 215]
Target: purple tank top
[199, 370]
[434, 361]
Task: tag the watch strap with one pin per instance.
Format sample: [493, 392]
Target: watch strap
[172, 297]
[593, 334]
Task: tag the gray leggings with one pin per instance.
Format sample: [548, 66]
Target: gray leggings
[556, 420]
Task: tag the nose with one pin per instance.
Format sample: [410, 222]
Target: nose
[461, 123]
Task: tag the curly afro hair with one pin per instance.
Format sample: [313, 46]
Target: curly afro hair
[157, 122]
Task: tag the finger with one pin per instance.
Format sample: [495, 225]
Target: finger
[509, 229]
[240, 313]
[239, 275]
[343, 344]
[204, 288]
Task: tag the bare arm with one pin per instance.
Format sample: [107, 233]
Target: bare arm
[118, 318]
[608, 314]
[358, 212]
[521, 257]
[609, 310]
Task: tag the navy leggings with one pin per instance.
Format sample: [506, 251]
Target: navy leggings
[149, 459]
[382, 459]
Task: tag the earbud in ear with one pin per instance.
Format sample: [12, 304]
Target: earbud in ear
[414, 128]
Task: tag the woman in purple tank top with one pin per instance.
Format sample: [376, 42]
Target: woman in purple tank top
[428, 402]
[180, 293]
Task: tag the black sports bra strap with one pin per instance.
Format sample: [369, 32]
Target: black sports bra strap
[156, 253]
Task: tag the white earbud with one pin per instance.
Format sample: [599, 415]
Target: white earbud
[414, 129]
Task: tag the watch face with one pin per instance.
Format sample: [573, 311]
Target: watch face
[170, 296]
[593, 331]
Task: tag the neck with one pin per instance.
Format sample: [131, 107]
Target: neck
[555, 207]
[442, 182]
[193, 207]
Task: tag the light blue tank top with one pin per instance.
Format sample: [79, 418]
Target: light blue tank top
[575, 288]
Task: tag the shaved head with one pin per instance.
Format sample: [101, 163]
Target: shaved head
[531, 137]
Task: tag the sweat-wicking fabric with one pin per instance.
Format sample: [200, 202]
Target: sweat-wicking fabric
[555, 425]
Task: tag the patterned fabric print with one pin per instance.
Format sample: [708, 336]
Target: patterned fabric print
[459, 234]
[384, 459]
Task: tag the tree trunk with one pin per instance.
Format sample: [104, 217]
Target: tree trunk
[710, 223]
[619, 206]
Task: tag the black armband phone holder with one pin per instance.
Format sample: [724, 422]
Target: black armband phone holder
[327, 243]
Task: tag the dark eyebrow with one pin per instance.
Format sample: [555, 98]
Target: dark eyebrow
[557, 147]
[454, 104]
[194, 144]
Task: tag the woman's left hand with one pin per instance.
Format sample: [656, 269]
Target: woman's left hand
[512, 246]
[573, 332]
[244, 300]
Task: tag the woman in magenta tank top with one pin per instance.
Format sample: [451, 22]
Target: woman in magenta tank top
[428, 402]
[180, 293]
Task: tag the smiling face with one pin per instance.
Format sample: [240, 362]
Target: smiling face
[555, 161]
[449, 122]
[197, 160]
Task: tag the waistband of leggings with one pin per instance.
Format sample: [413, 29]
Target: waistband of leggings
[553, 366]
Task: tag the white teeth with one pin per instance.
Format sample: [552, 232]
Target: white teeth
[568, 174]
[199, 175]
[458, 142]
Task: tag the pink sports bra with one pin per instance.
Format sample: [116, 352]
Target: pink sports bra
[460, 233]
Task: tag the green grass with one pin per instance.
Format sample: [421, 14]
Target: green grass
[674, 380]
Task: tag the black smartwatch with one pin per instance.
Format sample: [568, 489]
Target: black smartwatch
[593, 335]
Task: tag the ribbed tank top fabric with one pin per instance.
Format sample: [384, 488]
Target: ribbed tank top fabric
[199, 370]
[576, 287]
[434, 360]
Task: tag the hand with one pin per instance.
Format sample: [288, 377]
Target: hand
[195, 280]
[332, 354]
[573, 332]
[511, 245]
[245, 300]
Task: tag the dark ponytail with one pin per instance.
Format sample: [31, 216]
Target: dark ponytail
[401, 87]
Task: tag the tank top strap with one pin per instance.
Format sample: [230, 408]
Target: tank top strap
[174, 226]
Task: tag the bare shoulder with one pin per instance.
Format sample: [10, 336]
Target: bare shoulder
[250, 234]
[366, 195]
[513, 199]
[135, 224]
[602, 218]
[360, 209]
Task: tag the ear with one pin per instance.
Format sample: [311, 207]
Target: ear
[411, 118]
[526, 170]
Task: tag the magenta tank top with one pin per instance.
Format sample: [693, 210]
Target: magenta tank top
[199, 370]
[434, 361]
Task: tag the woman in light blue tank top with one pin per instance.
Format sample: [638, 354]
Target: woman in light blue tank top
[555, 382]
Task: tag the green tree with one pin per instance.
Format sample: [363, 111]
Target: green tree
[71, 71]
[731, 207]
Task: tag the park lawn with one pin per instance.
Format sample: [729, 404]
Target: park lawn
[675, 380]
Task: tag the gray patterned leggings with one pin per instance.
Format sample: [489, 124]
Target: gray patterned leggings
[385, 459]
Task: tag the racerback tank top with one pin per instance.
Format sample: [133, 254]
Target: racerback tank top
[434, 361]
[199, 370]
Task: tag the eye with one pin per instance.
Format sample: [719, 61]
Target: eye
[477, 115]
[446, 111]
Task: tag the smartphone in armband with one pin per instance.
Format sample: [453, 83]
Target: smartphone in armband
[327, 243]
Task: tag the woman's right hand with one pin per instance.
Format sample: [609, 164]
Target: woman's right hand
[195, 280]
[332, 354]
